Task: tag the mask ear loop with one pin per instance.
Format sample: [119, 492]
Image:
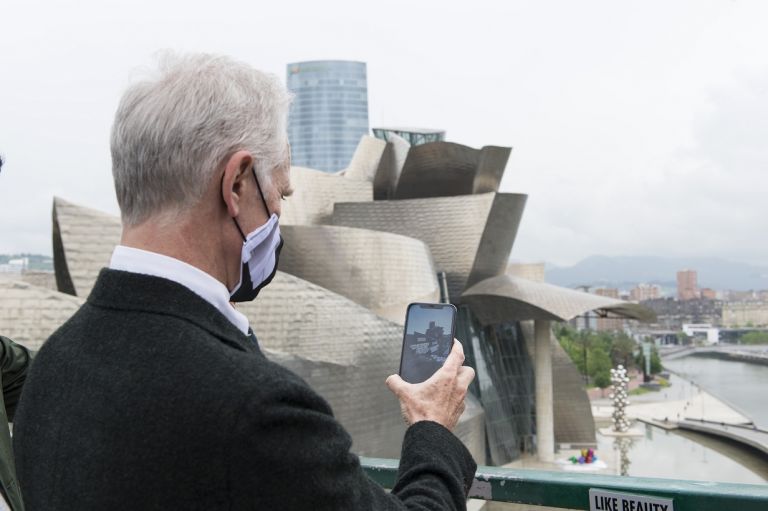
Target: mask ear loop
[263, 201]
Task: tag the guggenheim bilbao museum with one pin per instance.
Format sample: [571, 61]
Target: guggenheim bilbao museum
[400, 224]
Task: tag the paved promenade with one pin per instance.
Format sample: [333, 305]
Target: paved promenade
[682, 400]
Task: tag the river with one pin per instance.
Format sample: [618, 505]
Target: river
[742, 385]
[680, 454]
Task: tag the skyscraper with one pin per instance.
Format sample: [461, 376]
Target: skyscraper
[329, 112]
[687, 285]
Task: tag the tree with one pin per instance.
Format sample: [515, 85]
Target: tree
[754, 338]
[655, 361]
[622, 350]
[600, 366]
[603, 380]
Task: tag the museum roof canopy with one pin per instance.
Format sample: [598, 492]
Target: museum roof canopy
[507, 298]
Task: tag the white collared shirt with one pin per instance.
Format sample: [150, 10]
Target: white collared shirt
[211, 290]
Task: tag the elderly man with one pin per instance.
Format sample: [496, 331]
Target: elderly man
[155, 394]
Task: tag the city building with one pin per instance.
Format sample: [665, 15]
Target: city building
[745, 314]
[709, 293]
[643, 292]
[703, 332]
[329, 113]
[687, 285]
[414, 136]
[605, 324]
[671, 314]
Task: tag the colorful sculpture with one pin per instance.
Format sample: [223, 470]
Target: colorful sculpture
[587, 456]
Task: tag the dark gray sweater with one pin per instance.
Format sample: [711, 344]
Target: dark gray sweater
[149, 398]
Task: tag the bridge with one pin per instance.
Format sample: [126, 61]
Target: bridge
[739, 353]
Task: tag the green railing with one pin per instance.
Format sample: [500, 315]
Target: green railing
[572, 491]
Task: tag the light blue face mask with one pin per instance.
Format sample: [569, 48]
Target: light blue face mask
[259, 257]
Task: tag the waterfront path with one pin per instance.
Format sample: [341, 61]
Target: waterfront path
[683, 400]
[749, 435]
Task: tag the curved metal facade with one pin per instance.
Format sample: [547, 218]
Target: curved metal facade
[83, 240]
[500, 298]
[30, 314]
[381, 271]
[316, 192]
[454, 228]
[390, 168]
[443, 169]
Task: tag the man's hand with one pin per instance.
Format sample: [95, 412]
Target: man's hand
[441, 397]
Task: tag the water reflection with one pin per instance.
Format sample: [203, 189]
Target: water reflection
[622, 445]
[684, 455]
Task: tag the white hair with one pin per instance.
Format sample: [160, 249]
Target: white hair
[173, 132]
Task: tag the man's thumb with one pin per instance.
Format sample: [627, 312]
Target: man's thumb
[396, 384]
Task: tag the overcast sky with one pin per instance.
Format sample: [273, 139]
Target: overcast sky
[638, 128]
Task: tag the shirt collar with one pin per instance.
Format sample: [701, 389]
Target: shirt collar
[136, 260]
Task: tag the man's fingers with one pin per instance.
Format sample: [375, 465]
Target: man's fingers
[396, 384]
[465, 376]
[455, 357]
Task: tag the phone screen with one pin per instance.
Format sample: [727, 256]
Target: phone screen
[427, 340]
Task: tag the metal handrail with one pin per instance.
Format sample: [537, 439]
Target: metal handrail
[571, 491]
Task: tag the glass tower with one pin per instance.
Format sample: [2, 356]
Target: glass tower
[329, 112]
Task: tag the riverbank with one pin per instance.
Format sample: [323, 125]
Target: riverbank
[681, 400]
[662, 450]
[742, 386]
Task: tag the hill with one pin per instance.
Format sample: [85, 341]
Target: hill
[627, 271]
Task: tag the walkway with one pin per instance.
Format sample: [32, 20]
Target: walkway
[749, 435]
[681, 401]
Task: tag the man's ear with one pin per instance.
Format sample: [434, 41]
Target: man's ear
[236, 171]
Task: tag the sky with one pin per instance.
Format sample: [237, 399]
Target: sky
[419, 318]
[638, 128]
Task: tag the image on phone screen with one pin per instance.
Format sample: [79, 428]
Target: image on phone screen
[427, 340]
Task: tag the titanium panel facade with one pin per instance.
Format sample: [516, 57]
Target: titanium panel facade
[444, 169]
[316, 192]
[454, 229]
[505, 297]
[392, 162]
[381, 271]
[329, 113]
[30, 314]
[366, 160]
[83, 241]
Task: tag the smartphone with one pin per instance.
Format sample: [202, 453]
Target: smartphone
[427, 339]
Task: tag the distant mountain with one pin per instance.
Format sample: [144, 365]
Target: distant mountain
[626, 271]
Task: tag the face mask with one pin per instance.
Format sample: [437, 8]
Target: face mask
[259, 257]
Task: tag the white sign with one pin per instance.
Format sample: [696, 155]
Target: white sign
[602, 500]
